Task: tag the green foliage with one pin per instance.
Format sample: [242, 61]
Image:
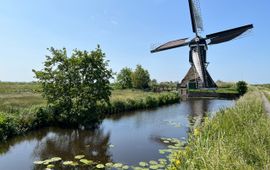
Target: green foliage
[222, 84]
[140, 78]
[124, 79]
[236, 138]
[241, 87]
[74, 85]
[149, 100]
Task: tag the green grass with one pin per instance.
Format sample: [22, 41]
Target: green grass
[219, 90]
[236, 138]
[18, 96]
[130, 94]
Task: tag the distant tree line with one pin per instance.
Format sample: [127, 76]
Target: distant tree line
[140, 79]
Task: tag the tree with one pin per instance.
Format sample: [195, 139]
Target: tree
[241, 87]
[124, 79]
[73, 86]
[140, 78]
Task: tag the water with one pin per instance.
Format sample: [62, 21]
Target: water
[127, 138]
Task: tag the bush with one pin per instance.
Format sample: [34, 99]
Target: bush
[151, 102]
[241, 87]
[8, 126]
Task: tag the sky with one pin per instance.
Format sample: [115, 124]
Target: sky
[126, 30]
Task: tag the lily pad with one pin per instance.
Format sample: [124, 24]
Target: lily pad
[153, 162]
[79, 156]
[70, 163]
[109, 164]
[162, 160]
[111, 146]
[154, 167]
[117, 165]
[55, 159]
[38, 162]
[143, 164]
[100, 166]
[125, 167]
[50, 166]
[86, 161]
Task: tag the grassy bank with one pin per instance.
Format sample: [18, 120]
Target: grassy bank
[237, 138]
[219, 90]
[22, 107]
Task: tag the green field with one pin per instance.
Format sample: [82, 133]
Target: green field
[17, 96]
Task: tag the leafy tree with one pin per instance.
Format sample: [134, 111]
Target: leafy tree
[124, 79]
[140, 78]
[74, 86]
[153, 84]
[241, 87]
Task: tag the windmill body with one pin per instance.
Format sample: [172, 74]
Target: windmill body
[198, 74]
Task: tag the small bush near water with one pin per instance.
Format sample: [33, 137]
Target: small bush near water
[237, 138]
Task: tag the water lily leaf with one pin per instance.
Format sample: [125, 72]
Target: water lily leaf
[125, 167]
[70, 163]
[154, 167]
[143, 164]
[100, 166]
[166, 141]
[79, 156]
[74, 164]
[38, 162]
[162, 160]
[55, 159]
[50, 166]
[46, 162]
[153, 162]
[162, 151]
[109, 164]
[117, 165]
[86, 161]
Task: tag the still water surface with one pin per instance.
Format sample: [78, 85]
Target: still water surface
[127, 138]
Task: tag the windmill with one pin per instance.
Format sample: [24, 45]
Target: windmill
[198, 76]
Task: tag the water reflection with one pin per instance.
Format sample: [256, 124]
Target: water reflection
[69, 143]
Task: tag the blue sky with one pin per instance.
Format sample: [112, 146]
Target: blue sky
[126, 30]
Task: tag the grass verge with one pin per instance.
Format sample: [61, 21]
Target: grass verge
[219, 90]
[236, 138]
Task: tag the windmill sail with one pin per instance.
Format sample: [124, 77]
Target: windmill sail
[227, 35]
[195, 13]
[170, 45]
[198, 64]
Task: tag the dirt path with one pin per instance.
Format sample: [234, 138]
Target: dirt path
[266, 104]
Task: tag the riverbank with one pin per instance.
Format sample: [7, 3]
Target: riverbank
[225, 93]
[236, 138]
[22, 107]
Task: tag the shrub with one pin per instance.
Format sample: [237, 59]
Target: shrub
[151, 102]
[241, 87]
